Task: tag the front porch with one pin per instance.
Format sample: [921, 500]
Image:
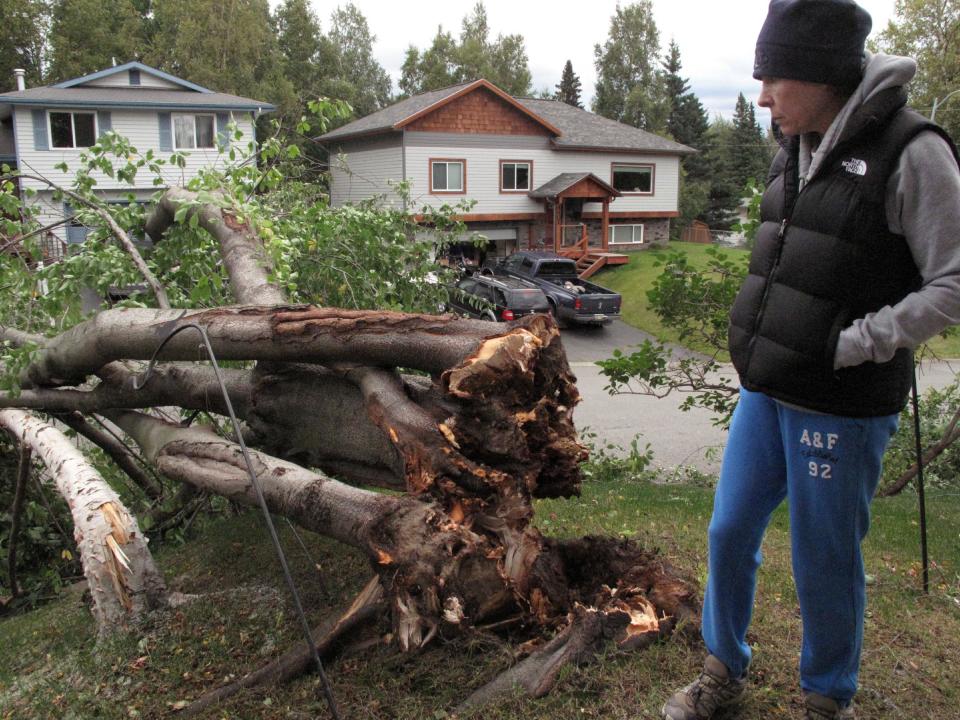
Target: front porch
[566, 233]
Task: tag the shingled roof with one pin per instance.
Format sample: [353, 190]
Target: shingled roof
[80, 93]
[90, 97]
[572, 127]
[586, 130]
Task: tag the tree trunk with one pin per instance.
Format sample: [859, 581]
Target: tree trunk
[284, 334]
[242, 253]
[118, 566]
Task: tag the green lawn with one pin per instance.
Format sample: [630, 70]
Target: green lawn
[50, 666]
[636, 277]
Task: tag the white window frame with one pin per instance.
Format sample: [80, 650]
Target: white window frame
[463, 176]
[193, 117]
[633, 234]
[634, 166]
[516, 163]
[73, 128]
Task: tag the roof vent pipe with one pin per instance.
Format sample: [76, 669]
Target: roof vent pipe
[19, 74]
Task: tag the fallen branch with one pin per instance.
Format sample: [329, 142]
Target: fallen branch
[365, 608]
[241, 250]
[301, 333]
[950, 435]
[123, 579]
[158, 291]
[23, 474]
[117, 451]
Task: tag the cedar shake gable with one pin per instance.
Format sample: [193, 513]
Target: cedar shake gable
[480, 112]
[475, 107]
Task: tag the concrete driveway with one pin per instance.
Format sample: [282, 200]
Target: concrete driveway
[677, 438]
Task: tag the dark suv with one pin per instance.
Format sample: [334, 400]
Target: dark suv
[496, 298]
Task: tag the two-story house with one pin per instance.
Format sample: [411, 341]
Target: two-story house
[43, 127]
[541, 174]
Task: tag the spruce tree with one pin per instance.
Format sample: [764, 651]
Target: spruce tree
[749, 151]
[361, 80]
[568, 90]
[687, 123]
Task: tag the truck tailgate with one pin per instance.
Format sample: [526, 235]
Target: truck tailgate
[600, 303]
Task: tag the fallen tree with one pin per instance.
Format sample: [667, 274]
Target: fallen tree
[472, 419]
[124, 582]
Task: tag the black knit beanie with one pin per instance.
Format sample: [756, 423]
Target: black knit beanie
[818, 41]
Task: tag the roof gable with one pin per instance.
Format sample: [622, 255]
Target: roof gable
[584, 184]
[570, 128]
[126, 67]
[481, 107]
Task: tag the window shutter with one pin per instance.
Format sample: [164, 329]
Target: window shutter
[166, 136]
[223, 137]
[104, 122]
[40, 141]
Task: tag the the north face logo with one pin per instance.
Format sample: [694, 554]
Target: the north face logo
[855, 166]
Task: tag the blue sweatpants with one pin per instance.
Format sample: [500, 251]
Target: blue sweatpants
[827, 467]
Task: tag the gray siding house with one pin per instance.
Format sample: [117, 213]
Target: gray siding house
[540, 173]
[44, 126]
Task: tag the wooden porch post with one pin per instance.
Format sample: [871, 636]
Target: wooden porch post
[557, 228]
[605, 225]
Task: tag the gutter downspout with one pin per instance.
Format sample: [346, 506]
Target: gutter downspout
[403, 163]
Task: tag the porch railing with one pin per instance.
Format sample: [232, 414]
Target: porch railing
[574, 240]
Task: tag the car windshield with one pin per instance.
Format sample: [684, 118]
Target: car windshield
[555, 269]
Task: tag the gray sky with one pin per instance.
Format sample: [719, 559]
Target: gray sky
[716, 37]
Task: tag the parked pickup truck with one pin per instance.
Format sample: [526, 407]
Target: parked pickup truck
[572, 300]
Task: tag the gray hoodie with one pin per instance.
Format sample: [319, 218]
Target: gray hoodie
[923, 205]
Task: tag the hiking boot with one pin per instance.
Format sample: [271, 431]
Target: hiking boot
[820, 707]
[701, 699]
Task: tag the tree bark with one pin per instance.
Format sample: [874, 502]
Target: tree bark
[119, 568]
[242, 252]
[427, 560]
[287, 333]
[116, 450]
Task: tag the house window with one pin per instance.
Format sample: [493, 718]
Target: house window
[448, 176]
[73, 129]
[633, 179]
[626, 234]
[193, 131]
[515, 175]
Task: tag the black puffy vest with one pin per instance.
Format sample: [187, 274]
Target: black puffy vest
[823, 258]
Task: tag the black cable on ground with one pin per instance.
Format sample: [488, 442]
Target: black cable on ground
[139, 383]
[920, 495]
